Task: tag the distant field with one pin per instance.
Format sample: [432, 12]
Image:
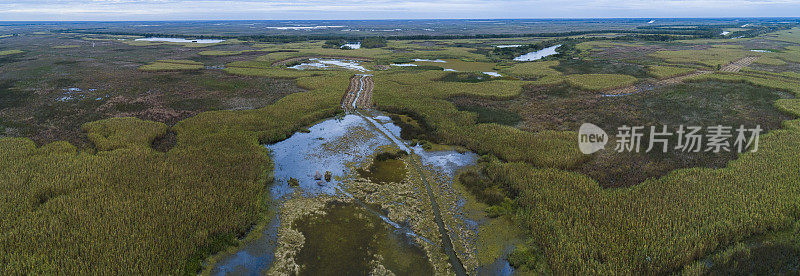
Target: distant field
[10, 52]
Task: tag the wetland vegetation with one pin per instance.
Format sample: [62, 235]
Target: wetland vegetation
[174, 157]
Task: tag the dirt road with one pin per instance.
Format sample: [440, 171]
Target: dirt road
[738, 65]
[359, 97]
[733, 67]
[359, 93]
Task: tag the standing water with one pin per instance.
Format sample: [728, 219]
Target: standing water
[180, 40]
[537, 55]
[333, 146]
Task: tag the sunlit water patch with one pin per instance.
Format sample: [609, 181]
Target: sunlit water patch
[537, 55]
[334, 146]
[354, 46]
[430, 60]
[321, 64]
[180, 40]
[404, 65]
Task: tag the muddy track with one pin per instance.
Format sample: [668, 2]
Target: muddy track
[359, 93]
[447, 244]
[738, 65]
[637, 88]
[359, 96]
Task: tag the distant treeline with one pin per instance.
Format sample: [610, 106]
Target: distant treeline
[695, 32]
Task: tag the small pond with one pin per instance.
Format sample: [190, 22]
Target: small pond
[322, 64]
[180, 40]
[353, 46]
[537, 55]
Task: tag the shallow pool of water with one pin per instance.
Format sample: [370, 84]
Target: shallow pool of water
[336, 145]
[353, 46]
[253, 257]
[537, 55]
[180, 40]
[430, 60]
[404, 65]
[317, 64]
[346, 239]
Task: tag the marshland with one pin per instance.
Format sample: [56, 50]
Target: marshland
[198, 148]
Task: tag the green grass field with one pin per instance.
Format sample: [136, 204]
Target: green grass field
[172, 65]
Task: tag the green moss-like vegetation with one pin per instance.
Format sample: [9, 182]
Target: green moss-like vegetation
[219, 53]
[345, 239]
[10, 52]
[387, 167]
[11, 97]
[570, 216]
[663, 72]
[708, 57]
[419, 94]
[581, 66]
[215, 176]
[773, 253]
[532, 70]
[595, 82]
[493, 115]
[172, 65]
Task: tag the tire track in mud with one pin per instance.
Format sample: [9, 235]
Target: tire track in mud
[736, 66]
[359, 96]
[447, 243]
[359, 93]
[732, 67]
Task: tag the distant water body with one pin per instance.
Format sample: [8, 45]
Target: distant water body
[537, 55]
[180, 40]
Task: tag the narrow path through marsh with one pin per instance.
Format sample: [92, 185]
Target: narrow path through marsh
[332, 217]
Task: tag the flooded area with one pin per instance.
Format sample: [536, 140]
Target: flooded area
[387, 167]
[404, 65]
[349, 203]
[429, 60]
[537, 55]
[180, 40]
[322, 64]
[252, 257]
[352, 46]
[346, 239]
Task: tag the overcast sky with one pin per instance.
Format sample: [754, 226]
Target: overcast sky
[386, 9]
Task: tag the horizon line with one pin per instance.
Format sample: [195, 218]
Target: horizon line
[413, 19]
